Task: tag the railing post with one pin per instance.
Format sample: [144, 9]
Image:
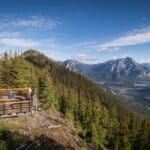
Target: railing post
[3, 108]
[20, 107]
[29, 106]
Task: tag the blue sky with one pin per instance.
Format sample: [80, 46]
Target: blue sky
[91, 31]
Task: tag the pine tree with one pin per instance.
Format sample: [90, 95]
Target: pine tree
[6, 65]
[125, 143]
[21, 75]
[52, 97]
[47, 92]
[143, 142]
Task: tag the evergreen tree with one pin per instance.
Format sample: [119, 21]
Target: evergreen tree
[21, 75]
[47, 91]
[143, 142]
[125, 143]
[6, 76]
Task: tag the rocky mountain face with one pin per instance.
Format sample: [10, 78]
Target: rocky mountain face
[72, 65]
[124, 69]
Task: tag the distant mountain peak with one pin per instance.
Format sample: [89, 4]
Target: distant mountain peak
[113, 70]
[71, 64]
[124, 60]
[129, 60]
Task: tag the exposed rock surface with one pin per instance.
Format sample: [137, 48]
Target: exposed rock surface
[43, 126]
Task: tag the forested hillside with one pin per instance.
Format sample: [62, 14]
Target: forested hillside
[100, 118]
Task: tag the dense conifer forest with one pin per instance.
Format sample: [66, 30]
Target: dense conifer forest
[100, 118]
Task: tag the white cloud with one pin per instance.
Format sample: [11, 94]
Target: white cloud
[48, 46]
[18, 42]
[31, 22]
[9, 34]
[84, 57]
[35, 21]
[141, 36]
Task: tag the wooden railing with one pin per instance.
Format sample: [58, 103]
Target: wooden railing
[10, 107]
[15, 91]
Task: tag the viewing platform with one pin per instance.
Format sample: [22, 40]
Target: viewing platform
[21, 102]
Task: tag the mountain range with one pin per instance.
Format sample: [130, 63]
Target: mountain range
[119, 70]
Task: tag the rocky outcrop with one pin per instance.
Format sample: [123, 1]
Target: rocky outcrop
[45, 128]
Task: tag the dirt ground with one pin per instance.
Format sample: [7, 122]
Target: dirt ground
[48, 123]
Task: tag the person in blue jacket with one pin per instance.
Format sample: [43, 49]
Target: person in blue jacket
[10, 95]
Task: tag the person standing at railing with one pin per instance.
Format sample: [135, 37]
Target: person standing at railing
[10, 95]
